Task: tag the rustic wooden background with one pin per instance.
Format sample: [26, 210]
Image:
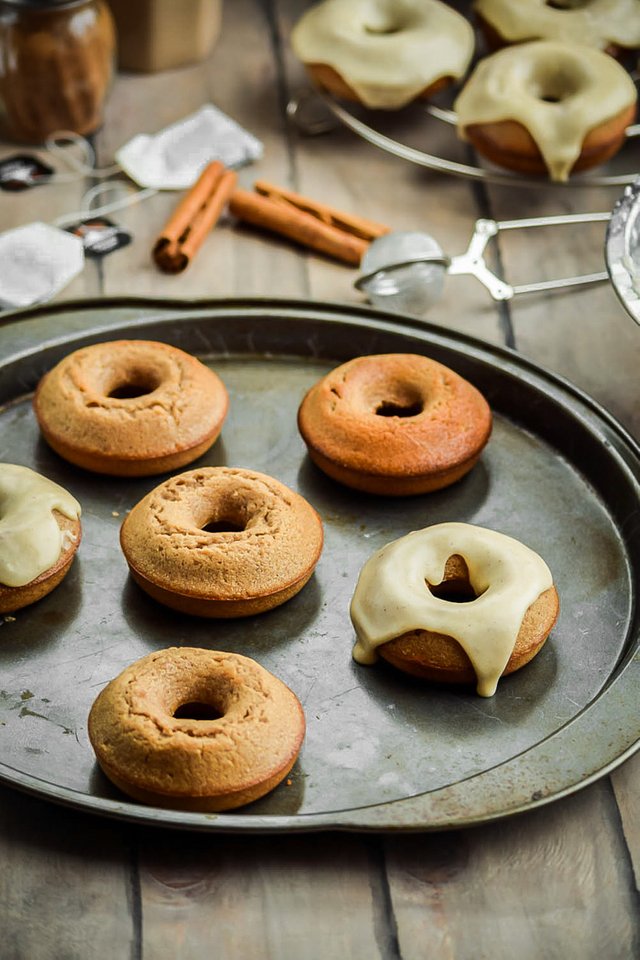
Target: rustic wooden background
[558, 882]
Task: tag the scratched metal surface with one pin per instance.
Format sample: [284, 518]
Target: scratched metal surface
[382, 751]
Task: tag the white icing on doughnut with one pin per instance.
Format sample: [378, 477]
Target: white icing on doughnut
[596, 23]
[30, 539]
[590, 88]
[392, 596]
[388, 51]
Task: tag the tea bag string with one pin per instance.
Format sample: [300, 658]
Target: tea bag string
[132, 196]
[80, 164]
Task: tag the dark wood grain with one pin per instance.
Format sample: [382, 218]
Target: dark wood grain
[67, 884]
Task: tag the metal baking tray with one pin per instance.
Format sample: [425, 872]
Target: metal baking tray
[382, 752]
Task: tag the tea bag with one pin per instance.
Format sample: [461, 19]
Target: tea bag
[36, 262]
[174, 158]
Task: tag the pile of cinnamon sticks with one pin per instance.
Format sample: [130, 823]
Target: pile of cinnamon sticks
[307, 222]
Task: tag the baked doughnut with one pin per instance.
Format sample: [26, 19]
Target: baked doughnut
[547, 107]
[130, 408]
[194, 729]
[383, 53]
[610, 25]
[39, 535]
[395, 424]
[454, 603]
[222, 542]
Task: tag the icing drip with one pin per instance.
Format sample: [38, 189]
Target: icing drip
[595, 23]
[559, 92]
[388, 51]
[392, 596]
[30, 539]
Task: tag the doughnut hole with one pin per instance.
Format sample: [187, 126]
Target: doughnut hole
[554, 86]
[568, 4]
[137, 381]
[228, 514]
[394, 399]
[386, 23]
[197, 700]
[120, 381]
[196, 710]
[455, 586]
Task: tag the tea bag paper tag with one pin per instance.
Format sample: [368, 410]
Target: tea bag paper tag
[21, 171]
[174, 158]
[100, 236]
[36, 262]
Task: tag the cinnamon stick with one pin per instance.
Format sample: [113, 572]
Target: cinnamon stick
[194, 217]
[358, 226]
[298, 225]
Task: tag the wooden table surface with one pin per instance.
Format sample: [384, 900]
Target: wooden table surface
[560, 881]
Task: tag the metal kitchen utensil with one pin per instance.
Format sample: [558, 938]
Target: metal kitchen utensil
[405, 272]
[622, 249]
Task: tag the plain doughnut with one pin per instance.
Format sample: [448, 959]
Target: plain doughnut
[222, 542]
[194, 729]
[130, 407]
[394, 424]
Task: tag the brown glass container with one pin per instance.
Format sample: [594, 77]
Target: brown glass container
[56, 65]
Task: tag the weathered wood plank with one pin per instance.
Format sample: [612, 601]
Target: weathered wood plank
[65, 884]
[289, 898]
[626, 785]
[552, 883]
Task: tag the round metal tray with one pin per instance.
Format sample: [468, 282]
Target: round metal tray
[382, 752]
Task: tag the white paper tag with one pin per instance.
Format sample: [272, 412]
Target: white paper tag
[36, 262]
[174, 158]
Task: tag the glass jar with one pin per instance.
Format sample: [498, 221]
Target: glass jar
[56, 65]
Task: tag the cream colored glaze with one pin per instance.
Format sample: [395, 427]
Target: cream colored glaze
[30, 539]
[388, 51]
[392, 596]
[596, 23]
[510, 85]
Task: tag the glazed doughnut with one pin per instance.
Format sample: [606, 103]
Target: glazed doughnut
[130, 408]
[547, 107]
[39, 535]
[394, 424]
[222, 542]
[383, 53]
[610, 25]
[454, 603]
[194, 729]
